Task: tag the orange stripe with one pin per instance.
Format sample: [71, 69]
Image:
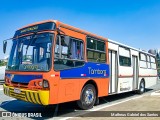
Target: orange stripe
[122, 76]
[81, 31]
[148, 76]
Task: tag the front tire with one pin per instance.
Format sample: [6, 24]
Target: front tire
[141, 87]
[88, 97]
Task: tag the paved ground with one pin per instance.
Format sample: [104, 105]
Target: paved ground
[115, 103]
[1, 87]
[147, 103]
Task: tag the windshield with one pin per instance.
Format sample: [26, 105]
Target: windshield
[31, 53]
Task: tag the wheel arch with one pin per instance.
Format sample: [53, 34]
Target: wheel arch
[81, 103]
[141, 90]
[93, 83]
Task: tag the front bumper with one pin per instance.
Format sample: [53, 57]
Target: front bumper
[37, 97]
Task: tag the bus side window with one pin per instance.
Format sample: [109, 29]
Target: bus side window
[96, 50]
[70, 51]
[76, 49]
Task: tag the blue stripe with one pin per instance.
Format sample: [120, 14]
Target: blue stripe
[93, 70]
[23, 78]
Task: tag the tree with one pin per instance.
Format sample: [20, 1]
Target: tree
[152, 51]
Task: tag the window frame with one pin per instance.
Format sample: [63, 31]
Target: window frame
[125, 65]
[143, 60]
[96, 50]
[60, 58]
[149, 61]
[153, 62]
[154, 59]
[51, 52]
[125, 56]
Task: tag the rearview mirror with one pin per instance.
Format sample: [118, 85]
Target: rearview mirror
[4, 46]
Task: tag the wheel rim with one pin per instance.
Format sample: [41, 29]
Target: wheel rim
[142, 87]
[89, 96]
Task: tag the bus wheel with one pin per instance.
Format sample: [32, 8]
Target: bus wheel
[141, 87]
[88, 97]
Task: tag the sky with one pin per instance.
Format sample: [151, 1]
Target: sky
[132, 22]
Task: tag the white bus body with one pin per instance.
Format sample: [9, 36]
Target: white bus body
[128, 66]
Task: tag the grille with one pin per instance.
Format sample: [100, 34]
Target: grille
[24, 95]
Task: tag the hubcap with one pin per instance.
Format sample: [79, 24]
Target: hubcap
[89, 96]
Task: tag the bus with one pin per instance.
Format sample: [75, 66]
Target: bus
[51, 63]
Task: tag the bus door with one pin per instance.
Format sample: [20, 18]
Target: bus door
[135, 72]
[113, 71]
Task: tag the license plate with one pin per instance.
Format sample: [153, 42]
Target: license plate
[17, 90]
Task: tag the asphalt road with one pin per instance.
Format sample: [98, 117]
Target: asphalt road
[70, 110]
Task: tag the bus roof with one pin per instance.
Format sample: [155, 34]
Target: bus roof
[36, 23]
[60, 24]
[123, 45]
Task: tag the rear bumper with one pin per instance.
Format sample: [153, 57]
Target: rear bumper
[37, 97]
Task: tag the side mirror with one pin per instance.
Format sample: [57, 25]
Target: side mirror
[4, 46]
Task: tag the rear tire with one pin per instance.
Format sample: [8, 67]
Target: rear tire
[88, 97]
[141, 87]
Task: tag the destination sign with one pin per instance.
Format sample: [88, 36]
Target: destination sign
[29, 29]
[36, 28]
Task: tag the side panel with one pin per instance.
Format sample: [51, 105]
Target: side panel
[67, 89]
[125, 84]
[149, 75]
[148, 71]
[71, 81]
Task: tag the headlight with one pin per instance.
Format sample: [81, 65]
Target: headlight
[40, 83]
[45, 84]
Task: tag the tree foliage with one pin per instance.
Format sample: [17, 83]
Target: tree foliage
[3, 63]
